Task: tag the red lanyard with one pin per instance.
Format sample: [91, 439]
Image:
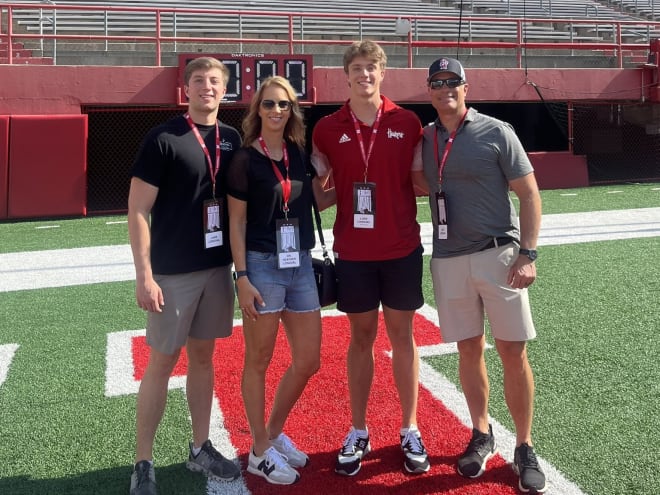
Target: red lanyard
[286, 183]
[374, 132]
[450, 143]
[212, 170]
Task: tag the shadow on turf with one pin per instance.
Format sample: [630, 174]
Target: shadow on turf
[382, 472]
[172, 480]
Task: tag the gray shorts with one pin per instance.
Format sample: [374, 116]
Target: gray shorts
[198, 304]
[466, 287]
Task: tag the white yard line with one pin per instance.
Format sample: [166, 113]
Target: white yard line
[63, 267]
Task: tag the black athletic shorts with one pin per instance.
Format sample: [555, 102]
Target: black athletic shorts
[396, 283]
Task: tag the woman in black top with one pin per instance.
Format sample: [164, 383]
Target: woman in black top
[270, 189]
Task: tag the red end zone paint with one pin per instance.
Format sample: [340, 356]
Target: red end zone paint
[321, 419]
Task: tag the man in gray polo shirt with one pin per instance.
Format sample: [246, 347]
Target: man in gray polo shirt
[483, 260]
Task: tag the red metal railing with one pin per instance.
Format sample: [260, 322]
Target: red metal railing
[163, 27]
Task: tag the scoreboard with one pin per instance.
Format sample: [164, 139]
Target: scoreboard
[248, 70]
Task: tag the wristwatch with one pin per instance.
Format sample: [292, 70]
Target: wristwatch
[530, 253]
[239, 274]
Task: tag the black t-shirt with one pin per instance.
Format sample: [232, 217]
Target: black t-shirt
[172, 159]
[251, 178]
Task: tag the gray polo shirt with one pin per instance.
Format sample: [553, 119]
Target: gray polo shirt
[486, 154]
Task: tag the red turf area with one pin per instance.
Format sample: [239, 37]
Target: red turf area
[321, 419]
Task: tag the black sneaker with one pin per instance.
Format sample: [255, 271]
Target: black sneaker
[143, 479]
[350, 457]
[525, 465]
[472, 463]
[416, 458]
[211, 462]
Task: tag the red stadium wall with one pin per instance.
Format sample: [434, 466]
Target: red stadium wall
[30, 90]
[4, 164]
[43, 142]
[49, 90]
[47, 166]
[559, 170]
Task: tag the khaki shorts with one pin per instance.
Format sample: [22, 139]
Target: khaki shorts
[198, 304]
[467, 287]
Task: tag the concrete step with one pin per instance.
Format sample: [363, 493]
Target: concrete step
[14, 46]
[27, 61]
[16, 52]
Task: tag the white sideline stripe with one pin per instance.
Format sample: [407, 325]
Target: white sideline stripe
[447, 393]
[571, 228]
[120, 380]
[65, 267]
[7, 352]
[439, 349]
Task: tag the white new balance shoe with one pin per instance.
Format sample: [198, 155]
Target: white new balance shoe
[273, 467]
[295, 457]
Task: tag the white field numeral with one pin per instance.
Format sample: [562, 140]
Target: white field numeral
[7, 352]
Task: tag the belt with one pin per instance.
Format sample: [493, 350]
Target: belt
[497, 242]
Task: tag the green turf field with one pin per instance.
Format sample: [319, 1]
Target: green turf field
[596, 306]
[43, 234]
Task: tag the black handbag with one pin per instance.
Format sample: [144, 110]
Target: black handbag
[324, 269]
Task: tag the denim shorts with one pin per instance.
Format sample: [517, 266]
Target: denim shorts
[290, 289]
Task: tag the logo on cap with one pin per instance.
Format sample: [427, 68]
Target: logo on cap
[444, 63]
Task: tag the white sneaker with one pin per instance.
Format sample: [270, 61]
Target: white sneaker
[273, 467]
[416, 457]
[283, 444]
[350, 456]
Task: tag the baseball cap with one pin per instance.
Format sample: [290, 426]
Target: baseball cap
[446, 64]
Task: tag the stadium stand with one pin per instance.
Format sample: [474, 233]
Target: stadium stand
[247, 24]
[646, 9]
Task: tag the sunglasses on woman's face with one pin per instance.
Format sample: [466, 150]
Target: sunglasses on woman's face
[270, 104]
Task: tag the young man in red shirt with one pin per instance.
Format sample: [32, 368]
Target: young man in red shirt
[369, 147]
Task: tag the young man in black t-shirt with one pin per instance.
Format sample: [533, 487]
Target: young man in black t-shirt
[178, 232]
